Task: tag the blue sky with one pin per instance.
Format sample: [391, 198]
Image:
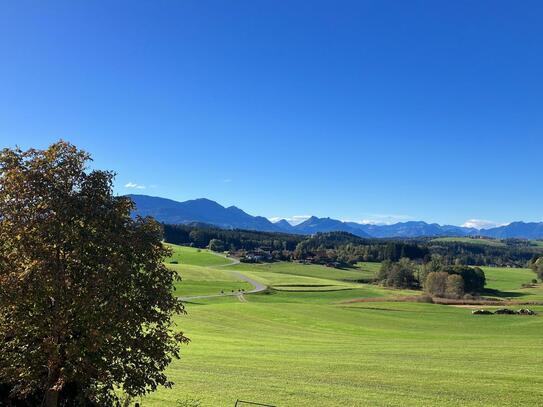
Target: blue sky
[379, 111]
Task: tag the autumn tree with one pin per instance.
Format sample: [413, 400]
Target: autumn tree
[537, 266]
[436, 283]
[442, 284]
[398, 275]
[474, 277]
[86, 304]
[454, 287]
[216, 245]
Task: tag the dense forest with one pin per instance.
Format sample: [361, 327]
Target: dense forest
[344, 249]
[200, 235]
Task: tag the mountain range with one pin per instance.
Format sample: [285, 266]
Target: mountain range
[210, 212]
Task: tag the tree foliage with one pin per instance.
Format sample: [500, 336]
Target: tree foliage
[398, 275]
[454, 281]
[85, 300]
[537, 266]
[216, 245]
[348, 249]
[436, 283]
[513, 253]
[200, 235]
[474, 277]
[454, 287]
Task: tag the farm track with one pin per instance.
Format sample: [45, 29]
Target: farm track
[258, 287]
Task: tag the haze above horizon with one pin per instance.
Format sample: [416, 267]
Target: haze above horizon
[363, 111]
[299, 219]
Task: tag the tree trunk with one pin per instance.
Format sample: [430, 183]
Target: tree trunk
[51, 398]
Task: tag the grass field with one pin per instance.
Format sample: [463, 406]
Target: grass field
[308, 270]
[202, 272]
[310, 348]
[469, 240]
[197, 280]
[195, 257]
[509, 281]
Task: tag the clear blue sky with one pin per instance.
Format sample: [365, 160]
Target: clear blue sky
[376, 110]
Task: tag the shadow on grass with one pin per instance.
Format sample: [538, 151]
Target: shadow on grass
[373, 309]
[369, 280]
[330, 290]
[267, 291]
[301, 285]
[192, 302]
[502, 294]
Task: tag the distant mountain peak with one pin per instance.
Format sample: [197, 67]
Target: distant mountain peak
[235, 209]
[204, 200]
[203, 210]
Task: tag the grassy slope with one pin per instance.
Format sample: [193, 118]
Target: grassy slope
[486, 242]
[368, 270]
[195, 257]
[509, 282]
[400, 354]
[198, 280]
[362, 271]
[308, 349]
[202, 272]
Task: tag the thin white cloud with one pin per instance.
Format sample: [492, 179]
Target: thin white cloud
[133, 185]
[381, 219]
[293, 220]
[371, 219]
[227, 180]
[481, 224]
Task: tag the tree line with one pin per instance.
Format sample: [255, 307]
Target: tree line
[513, 253]
[344, 249]
[436, 278]
[200, 236]
[411, 264]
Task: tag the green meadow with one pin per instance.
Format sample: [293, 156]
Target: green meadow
[470, 240]
[508, 283]
[302, 343]
[195, 257]
[197, 280]
[202, 272]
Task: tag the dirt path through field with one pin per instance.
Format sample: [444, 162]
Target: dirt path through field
[258, 287]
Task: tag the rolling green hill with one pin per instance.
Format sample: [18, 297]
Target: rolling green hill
[314, 271]
[508, 283]
[198, 280]
[470, 240]
[202, 272]
[195, 257]
[310, 347]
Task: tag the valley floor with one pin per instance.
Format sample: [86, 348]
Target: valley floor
[301, 344]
